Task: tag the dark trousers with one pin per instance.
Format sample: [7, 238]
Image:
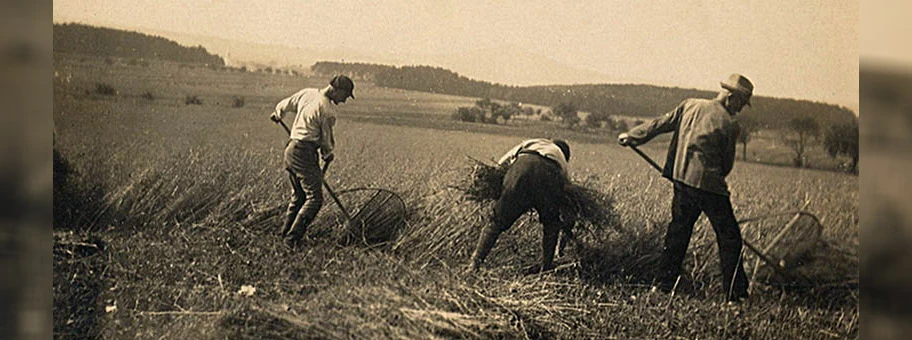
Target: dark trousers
[303, 166]
[532, 182]
[686, 206]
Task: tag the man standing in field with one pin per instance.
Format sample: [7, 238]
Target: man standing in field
[312, 131]
[700, 156]
[535, 180]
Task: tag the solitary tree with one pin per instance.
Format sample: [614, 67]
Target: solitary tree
[568, 114]
[843, 139]
[800, 133]
[748, 127]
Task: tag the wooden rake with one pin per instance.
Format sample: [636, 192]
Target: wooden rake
[376, 221]
[777, 266]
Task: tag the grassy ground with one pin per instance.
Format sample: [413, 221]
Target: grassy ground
[175, 208]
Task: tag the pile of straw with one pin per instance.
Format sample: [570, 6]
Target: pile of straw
[484, 181]
[587, 207]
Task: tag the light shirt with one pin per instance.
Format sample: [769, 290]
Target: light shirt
[544, 147]
[702, 149]
[315, 116]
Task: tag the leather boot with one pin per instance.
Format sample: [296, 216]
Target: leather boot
[289, 221]
[549, 243]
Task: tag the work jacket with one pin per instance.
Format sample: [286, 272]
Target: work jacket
[702, 149]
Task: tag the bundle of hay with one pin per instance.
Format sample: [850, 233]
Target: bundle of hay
[484, 181]
[589, 208]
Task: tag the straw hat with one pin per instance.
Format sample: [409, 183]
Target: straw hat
[739, 84]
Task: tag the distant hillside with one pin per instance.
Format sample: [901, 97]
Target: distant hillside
[90, 40]
[614, 99]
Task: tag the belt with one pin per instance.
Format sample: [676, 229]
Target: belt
[303, 143]
[531, 152]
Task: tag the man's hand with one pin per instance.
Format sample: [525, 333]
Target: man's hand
[275, 118]
[624, 139]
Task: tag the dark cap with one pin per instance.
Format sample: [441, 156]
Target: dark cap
[343, 82]
[564, 147]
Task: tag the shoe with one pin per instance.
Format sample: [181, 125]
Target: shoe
[293, 242]
[738, 297]
[679, 285]
[666, 286]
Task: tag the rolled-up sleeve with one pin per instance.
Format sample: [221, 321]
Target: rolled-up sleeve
[327, 140]
[508, 157]
[284, 106]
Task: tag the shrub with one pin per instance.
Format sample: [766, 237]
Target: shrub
[193, 100]
[595, 119]
[568, 114]
[237, 102]
[463, 114]
[843, 139]
[148, 95]
[105, 89]
[621, 125]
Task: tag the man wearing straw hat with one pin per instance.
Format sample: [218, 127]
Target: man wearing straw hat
[536, 179]
[700, 156]
[312, 131]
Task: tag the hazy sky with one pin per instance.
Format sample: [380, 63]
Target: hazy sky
[797, 49]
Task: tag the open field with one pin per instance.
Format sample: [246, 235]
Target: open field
[179, 206]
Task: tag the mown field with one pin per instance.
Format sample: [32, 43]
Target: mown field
[173, 209]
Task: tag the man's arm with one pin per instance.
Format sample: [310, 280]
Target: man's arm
[730, 145]
[284, 106]
[510, 155]
[647, 131]
[327, 140]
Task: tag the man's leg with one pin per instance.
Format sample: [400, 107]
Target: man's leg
[684, 213]
[311, 185]
[728, 236]
[507, 209]
[551, 228]
[566, 237]
[294, 205]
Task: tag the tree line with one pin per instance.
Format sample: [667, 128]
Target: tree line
[799, 123]
[604, 99]
[100, 41]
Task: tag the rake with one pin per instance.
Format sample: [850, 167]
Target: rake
[787, 248]
[378, 218]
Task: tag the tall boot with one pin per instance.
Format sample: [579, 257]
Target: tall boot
[297, 231]
[290, 216]
[549, 242]
[485, 243]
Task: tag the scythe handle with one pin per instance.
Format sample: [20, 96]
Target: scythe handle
[750, 246]
[646, 157]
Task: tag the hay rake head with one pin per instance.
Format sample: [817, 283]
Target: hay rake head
[379, 216]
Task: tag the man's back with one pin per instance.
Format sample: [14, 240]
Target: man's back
[702, 148]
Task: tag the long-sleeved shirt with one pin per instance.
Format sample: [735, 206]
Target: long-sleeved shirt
[544, 147]
[315, 117]
[702, 149]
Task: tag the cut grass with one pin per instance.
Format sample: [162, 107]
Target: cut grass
[191, 198]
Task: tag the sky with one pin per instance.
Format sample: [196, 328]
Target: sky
[792, 49]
